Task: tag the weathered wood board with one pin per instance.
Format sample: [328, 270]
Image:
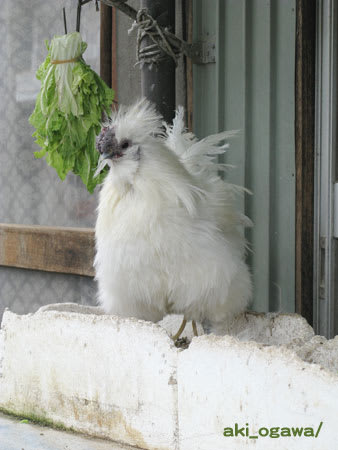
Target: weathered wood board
[51, 249]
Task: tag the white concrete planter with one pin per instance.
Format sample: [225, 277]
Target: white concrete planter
[124, 380]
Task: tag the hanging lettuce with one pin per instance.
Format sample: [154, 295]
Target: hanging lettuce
[68, 110]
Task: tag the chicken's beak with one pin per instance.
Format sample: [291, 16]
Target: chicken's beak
[105, 156]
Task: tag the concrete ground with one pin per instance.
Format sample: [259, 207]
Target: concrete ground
[18, 435]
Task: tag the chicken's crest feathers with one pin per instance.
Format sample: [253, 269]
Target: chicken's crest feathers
[136, 122]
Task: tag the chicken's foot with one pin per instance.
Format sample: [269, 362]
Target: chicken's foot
[180, 330]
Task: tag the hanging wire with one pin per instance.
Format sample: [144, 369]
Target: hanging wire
[78, 15]
[164, 43]
[64, 19]
[80, 3]
[160, 49]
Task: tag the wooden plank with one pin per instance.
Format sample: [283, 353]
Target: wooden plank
[50, 249]
[304, 131]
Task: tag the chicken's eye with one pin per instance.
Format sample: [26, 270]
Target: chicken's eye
[124, 145]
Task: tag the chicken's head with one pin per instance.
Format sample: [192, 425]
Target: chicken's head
[113, 149]
[129, 130]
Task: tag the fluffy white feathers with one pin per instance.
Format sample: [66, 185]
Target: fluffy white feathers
[167, 236]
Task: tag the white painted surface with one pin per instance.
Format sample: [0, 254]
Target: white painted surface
[101, 375]
[222, 381]
[123, 379]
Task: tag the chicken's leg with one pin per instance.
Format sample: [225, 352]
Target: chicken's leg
[194, 328]
[180, 330]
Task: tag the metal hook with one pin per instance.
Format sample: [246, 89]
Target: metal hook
[78, 15]
[64, 19]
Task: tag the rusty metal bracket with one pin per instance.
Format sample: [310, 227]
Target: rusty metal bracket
[202, 52]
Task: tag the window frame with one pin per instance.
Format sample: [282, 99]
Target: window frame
[64, 250]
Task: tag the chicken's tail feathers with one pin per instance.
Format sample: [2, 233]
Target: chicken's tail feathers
[201, 160]
[176, 136]
[198, 156]
[218, 138]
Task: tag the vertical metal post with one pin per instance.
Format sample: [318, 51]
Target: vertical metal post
[106, 43]
[304, 148]
[325, 280]
[158, 80]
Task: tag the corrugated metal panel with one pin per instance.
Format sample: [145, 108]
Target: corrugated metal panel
[251, 88]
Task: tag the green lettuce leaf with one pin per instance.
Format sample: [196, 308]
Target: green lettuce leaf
[69, 109]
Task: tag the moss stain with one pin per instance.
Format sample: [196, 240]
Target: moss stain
[36, 419]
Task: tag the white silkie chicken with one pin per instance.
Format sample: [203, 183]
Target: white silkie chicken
[168, 239]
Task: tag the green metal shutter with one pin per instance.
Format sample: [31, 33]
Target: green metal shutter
[251, 88]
